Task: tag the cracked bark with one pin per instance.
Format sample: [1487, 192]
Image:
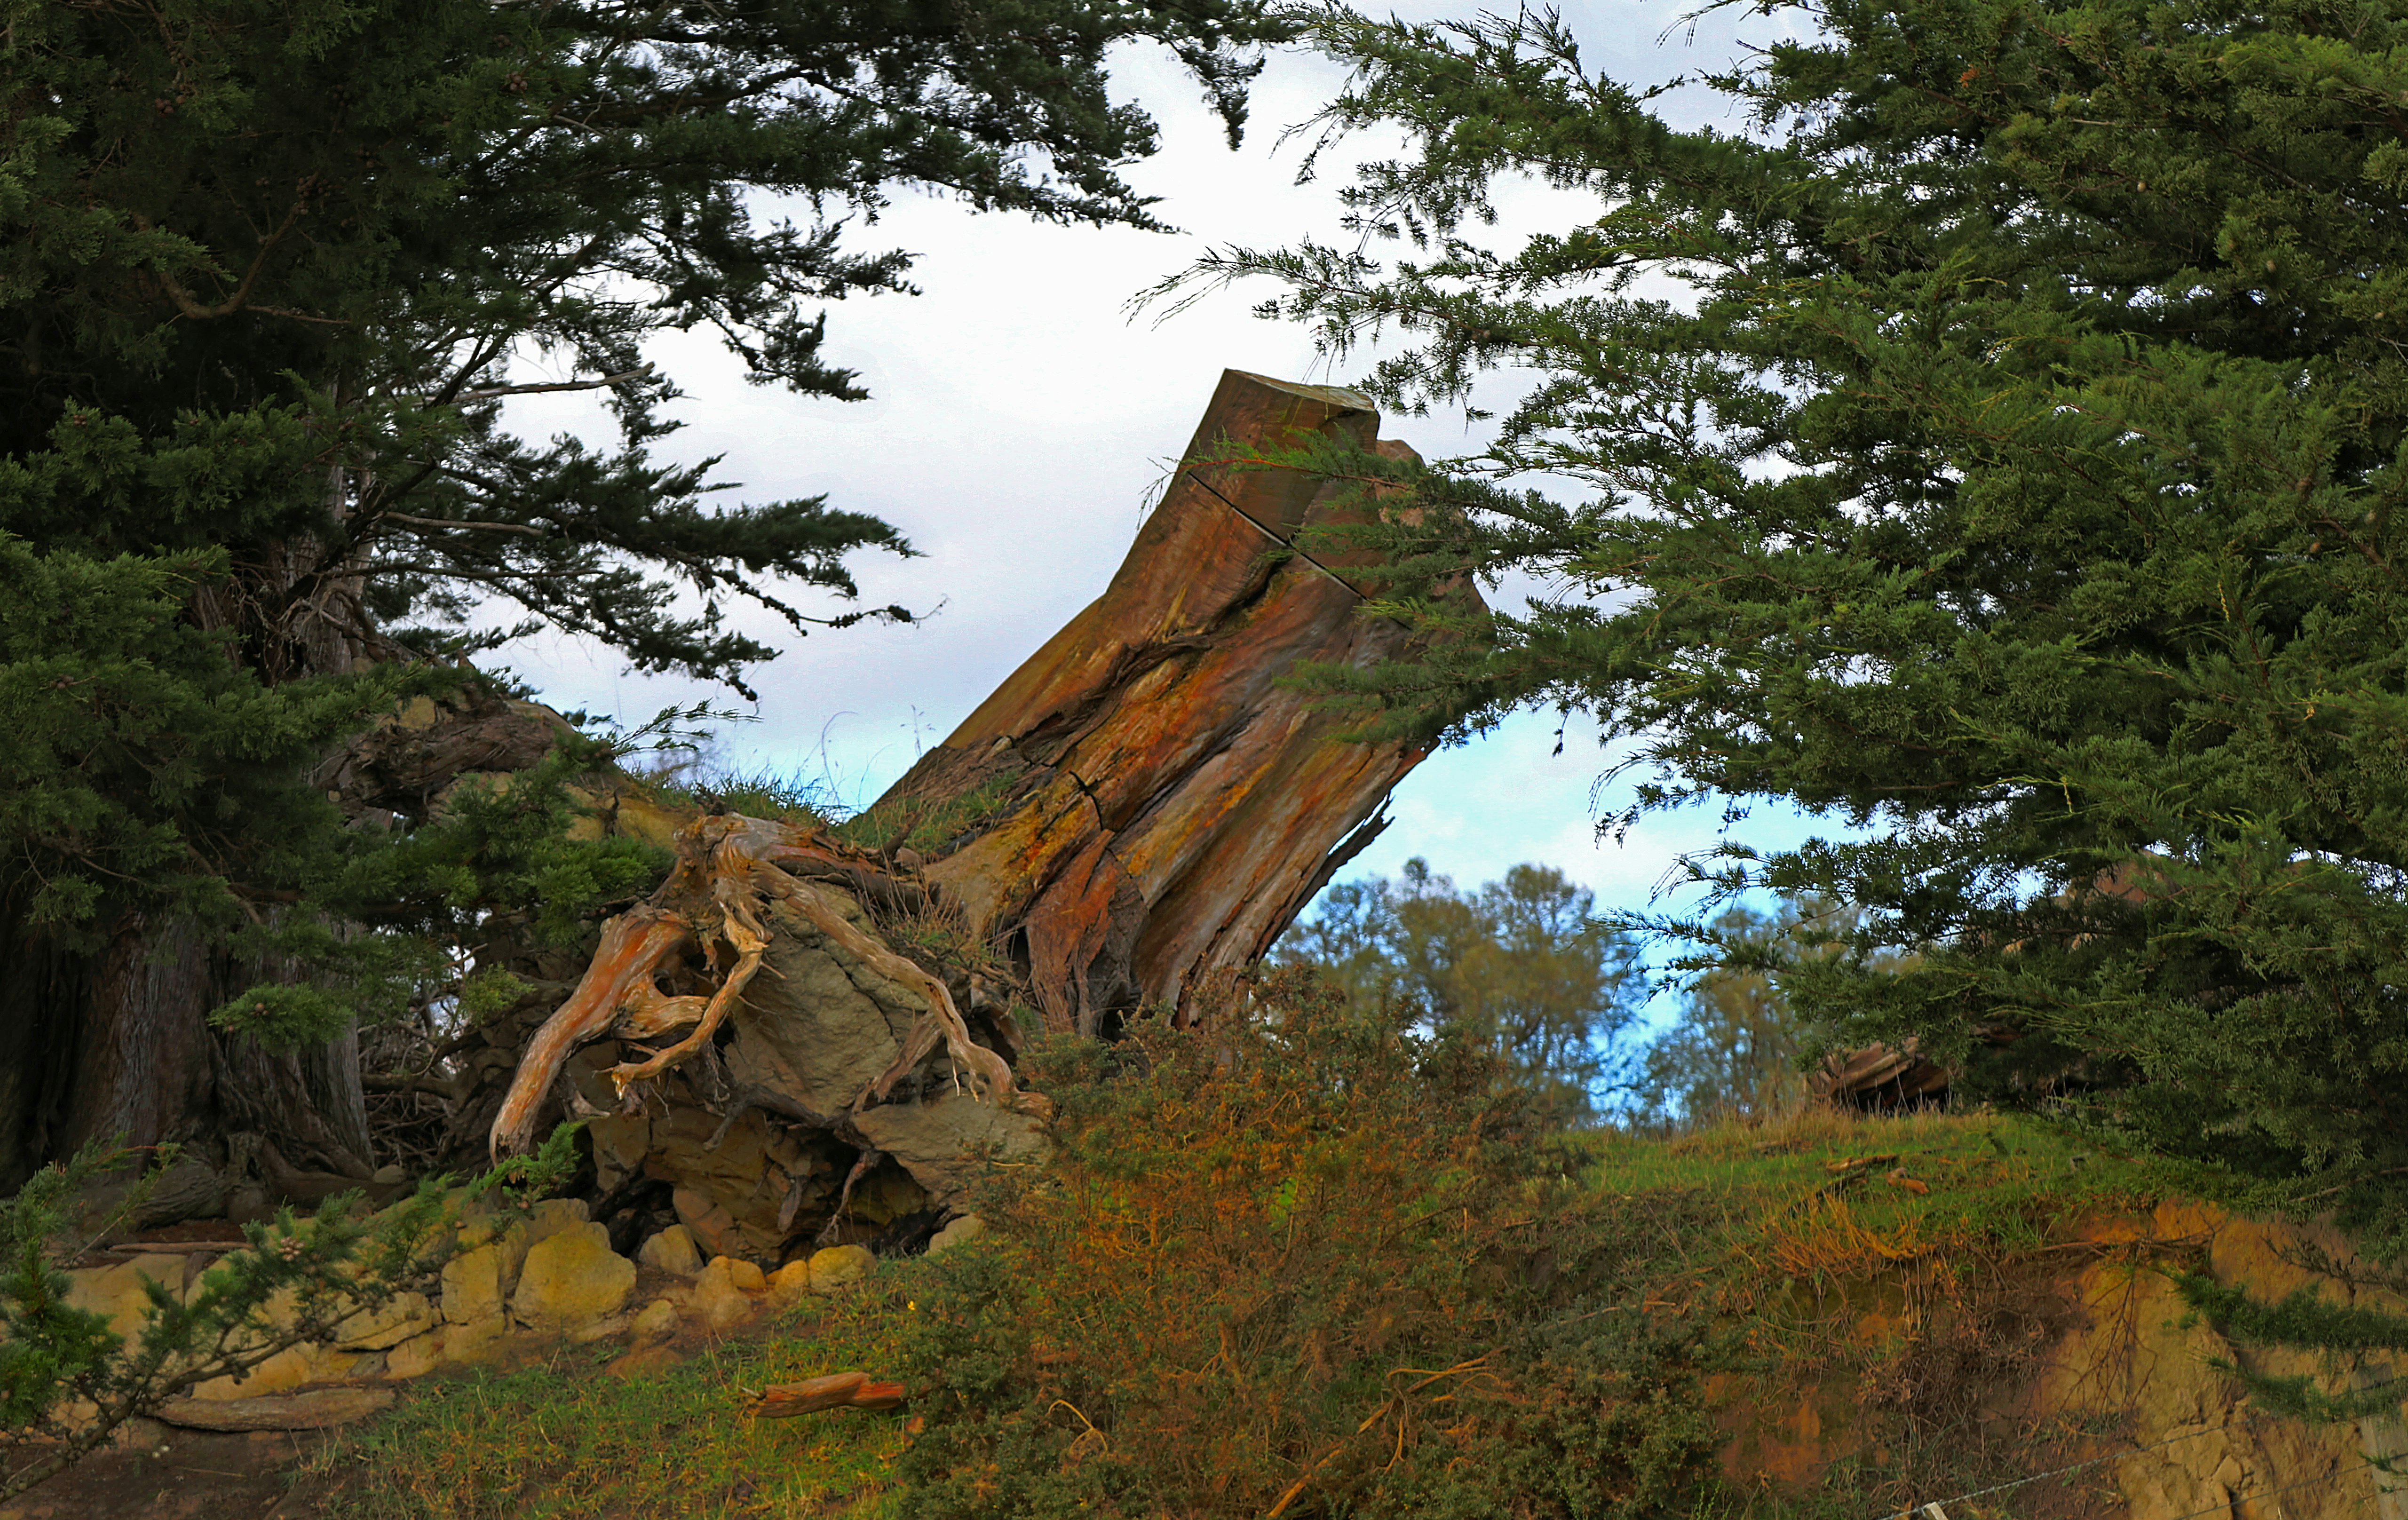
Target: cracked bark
[1142, 804]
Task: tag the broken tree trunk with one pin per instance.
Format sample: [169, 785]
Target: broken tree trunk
[813, 1030]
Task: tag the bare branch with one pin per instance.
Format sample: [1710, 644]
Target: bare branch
[454, 522]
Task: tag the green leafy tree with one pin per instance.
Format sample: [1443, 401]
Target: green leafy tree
[1732, 1050]
[270, 270]
[1995, 429]
[1522, 970]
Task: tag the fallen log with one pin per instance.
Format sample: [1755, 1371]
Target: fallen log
[808, 1033]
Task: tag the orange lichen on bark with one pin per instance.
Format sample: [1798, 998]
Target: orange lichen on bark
[1143, 806]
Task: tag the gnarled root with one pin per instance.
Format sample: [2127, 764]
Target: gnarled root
[729, 865]
[618, 982]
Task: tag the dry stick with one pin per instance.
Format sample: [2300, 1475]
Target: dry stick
[634, 944]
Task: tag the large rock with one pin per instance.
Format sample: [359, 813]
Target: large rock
[706, 1221]
[553, 1216]
[821, 1026]
[961, 1231]
[399, 1318]
[571, 1279]
[789, 1282]
[473, 1285]
[418, 1356]
[672, 1250]
[840, 1267]
[724, 1294]
[943, 1144]
[317, 1410]
[292, 1368]
[121, 1293]
[657, 1323]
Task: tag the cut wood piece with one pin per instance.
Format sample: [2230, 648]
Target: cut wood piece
[838, 1390]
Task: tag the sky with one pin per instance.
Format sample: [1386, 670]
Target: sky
[1019, 417]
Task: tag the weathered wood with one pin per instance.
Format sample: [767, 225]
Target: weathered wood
[1879, 1076]
[838, 1390]
[1156, 803]
[1144, 805]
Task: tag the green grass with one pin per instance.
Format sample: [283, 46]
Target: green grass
[1989, 1183]
[564, 1441]
[1747, 1226]
[789, 799]
[1896, 1298]
[927, 827]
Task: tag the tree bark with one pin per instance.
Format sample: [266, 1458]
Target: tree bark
[1162, 806]
[1143, 803]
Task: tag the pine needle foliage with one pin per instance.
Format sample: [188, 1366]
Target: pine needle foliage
[132, 749]
[270, 272]
[1994, 435]
[269, 265]
[68, 1380]
[1303, 1262]
[2303, 1320]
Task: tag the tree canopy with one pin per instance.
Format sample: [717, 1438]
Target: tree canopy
[272, 268]
[271, 272]
[1521, 969]
[1994, 433]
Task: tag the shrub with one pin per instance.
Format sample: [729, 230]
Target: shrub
[1296, 1261]
[68, 1380]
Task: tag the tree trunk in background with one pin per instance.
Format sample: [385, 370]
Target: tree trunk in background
[1142, 801]
[94, 1045]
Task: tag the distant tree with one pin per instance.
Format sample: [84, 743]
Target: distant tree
[1522, 969]
[1732, 1050]
[1996, 421]
[269, 271]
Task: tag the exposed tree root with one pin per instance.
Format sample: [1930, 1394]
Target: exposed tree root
[730, 868]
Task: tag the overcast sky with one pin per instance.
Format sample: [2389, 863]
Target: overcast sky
[1019, 417]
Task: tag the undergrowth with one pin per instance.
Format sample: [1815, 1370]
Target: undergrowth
[1298, 1263]
[1302, 1263]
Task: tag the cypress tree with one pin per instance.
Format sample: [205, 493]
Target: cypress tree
[1992, 432]
[269, 270]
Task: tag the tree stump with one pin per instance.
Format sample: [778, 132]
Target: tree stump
[1143, 803]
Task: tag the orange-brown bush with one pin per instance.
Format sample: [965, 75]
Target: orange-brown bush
[1295, 1263]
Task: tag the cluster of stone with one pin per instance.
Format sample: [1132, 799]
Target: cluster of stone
[515, 1279]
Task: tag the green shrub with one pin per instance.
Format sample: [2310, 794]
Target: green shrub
[68, 1380]
[1296, 1262]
